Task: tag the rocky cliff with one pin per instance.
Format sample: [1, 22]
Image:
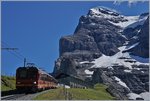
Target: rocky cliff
[108, 48]
[142, 49]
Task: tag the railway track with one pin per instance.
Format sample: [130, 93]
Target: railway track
[12, 97]
[22, 96]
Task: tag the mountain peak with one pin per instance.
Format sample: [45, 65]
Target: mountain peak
[103, 10]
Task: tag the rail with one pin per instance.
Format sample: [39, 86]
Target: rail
[12, 97]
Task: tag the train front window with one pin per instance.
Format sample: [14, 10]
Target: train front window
[32, 74]
[22, 74]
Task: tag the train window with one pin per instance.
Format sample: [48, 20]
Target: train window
[45, 77]
[22, 74]
[42, 77]
[32, 74]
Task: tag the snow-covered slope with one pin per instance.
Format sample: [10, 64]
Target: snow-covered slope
[108, 14]
[133, 96]
[106, 61]
[130, 20]
[137, 20]
[104, 12]
[144, 95]
[120, 58]
[120, 82]
[117, 19]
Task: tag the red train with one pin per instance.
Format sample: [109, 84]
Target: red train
[34, 79]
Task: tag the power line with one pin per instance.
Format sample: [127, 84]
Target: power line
[16, 53]
[14, 49]
[9, 48]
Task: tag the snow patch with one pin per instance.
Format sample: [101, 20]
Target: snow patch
[129, 71]
[134, 37]
[132, 46]
[142, 71]
[120, 82]
[99, 12]
[139, 31]
[88, 72]
[145, 96]
[137, 68]
[138, 22]
[84, 62]
[106, 61]
[98, 9]
[93, 24]
[131, 20]
[133, 96]
[110, 68]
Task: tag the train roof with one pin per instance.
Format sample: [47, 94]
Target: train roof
[43, 72]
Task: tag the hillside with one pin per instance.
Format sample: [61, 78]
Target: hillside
[7, 83]
[98, 93]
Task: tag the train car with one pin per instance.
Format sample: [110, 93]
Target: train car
[34, 79]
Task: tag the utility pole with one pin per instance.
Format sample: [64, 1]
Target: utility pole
[13, 49]
[24, 62]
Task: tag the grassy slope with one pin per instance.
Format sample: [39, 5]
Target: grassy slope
[98, 93]
[7, 83]
[54, 94]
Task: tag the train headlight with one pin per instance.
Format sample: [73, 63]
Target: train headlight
[34, 82]
[18, 82]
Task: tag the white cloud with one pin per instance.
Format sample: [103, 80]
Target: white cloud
[130, 2]
[118, 2]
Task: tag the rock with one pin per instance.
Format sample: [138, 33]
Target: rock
[77, 42]
[104, 33]
[82, 55]
[65, 65]
[98, 34]
[108, 48]
[142, 49]
[114, 88]
[118, 91]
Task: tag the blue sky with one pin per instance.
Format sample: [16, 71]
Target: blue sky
[36, 27]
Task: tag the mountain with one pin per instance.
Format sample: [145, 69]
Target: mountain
[110, 48]
[141, 37]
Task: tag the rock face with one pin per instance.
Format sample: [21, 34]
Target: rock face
[139, 34]
[136, 81]
[83, 47]
[142, 49]
[100, 76]
[101, 33]
[65, 65]
[94, 34]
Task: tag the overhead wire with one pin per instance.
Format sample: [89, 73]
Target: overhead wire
[12, 52]
[17, 54]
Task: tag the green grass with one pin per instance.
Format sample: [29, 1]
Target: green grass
[97, 93]
[7, 83]
[54, 94]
